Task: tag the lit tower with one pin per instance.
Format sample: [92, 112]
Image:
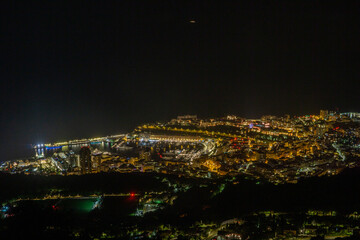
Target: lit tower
[324, 114]
[85, 160]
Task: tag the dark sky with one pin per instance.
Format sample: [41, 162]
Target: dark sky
[90, 68]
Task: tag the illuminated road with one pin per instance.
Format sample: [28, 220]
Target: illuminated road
[338, 150]
[209, 147]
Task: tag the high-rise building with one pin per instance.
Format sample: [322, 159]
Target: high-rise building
[324, 114]
[144, 155]
[72, 161]
[85, 160]
[96, 161]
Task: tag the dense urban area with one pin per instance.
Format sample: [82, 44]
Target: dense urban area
[278, 149]
[192, 178]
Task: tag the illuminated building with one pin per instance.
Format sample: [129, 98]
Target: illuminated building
[324, 114]
[85, 160]
[96, 161]
[351, 114]
[187, 117]
[145, 156]
[231, 117]
[73, 161]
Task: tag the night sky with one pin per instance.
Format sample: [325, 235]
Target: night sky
[93, 68]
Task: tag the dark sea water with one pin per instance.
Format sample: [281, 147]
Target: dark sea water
[16, 151]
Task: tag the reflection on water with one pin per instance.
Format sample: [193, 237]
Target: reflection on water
[27, 151]
[115, 206]
[48, 152]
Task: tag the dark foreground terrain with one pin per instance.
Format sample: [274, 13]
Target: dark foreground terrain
[185, 208]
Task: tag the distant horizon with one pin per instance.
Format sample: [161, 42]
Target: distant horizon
[72, 70]
[129, 129]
